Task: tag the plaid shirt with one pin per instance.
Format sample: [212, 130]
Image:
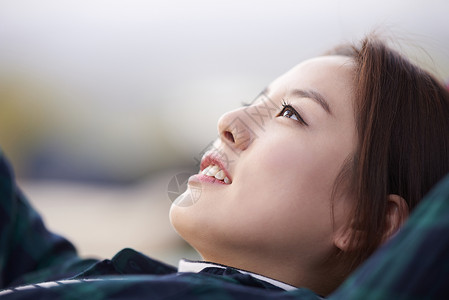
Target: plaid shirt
[35, 263]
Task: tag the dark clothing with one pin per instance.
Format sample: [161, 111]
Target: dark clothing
[37, 264]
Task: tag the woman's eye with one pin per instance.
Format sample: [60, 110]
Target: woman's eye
[287, 112]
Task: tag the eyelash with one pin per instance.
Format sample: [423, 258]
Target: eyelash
[287, 107]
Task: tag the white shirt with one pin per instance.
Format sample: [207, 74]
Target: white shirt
[197, 266]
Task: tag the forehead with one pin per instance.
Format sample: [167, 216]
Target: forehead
[331, 76]
[331, 67]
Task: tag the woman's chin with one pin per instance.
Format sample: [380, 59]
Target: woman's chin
[188, 198]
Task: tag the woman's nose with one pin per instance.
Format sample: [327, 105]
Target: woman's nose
[234, 129]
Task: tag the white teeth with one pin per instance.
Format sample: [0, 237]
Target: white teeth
[212, 171]
[220, 175]
[204, 172]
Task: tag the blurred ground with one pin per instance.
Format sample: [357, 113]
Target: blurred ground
[101, 220]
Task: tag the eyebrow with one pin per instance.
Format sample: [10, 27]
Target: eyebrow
[314, 95]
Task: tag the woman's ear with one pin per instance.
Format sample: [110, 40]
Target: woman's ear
[397, 214]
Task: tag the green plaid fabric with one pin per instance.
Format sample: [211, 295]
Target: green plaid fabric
[37, 264]
[415, 263]
[28, 252]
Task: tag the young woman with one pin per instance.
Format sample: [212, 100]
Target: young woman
[301, 187]
[349, 145]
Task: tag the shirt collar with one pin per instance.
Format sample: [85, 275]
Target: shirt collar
[186, 265]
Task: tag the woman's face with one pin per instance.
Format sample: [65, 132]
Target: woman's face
[281, 156]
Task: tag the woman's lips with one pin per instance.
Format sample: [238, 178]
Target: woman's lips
[204, 178]
[212, 166]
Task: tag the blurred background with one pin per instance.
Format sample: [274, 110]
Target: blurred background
[103, 102]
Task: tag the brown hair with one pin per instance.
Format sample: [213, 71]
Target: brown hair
[402, 119]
